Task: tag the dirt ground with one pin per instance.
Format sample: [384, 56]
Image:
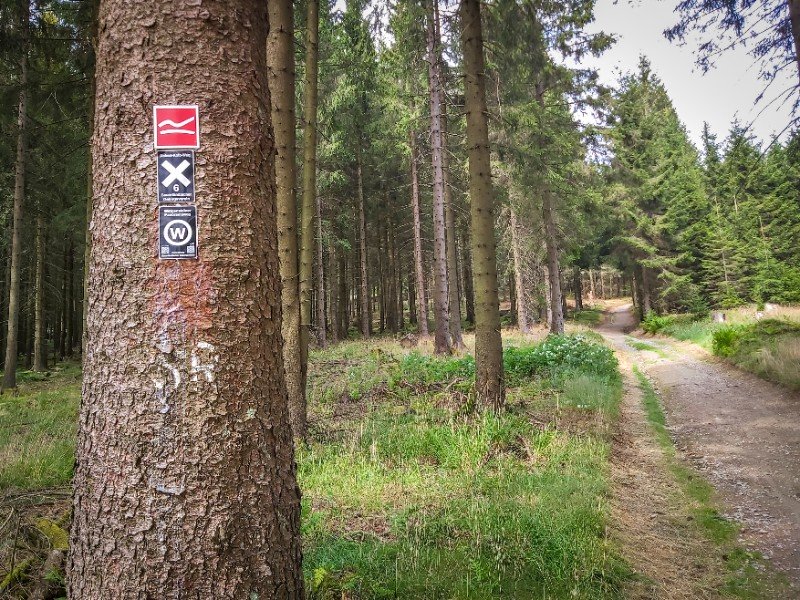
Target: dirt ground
[741, 432]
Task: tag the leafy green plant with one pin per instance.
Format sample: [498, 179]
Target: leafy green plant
[654, 323]
[726, 340]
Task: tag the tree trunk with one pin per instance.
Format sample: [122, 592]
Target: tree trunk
[578, 285]
[469, 294]
[322, 339]
[306, 274]
[454, 303]
[523, 320]
[69, 300]
[419, 267]
[333, 290]
[87, 238]
[391, 276]
[185, 478]
[39, 346]
[280, 64]
[647, 300]
[366, 314]
[10, 364]
[551, 242]
[412, 300]
[489, 385]
[344, 296]
[64, 317]
[548, 298]
[794, 19]
[441, 296]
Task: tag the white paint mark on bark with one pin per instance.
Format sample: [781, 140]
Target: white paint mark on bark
[204, 365]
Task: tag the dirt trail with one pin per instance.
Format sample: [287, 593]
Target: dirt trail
[741, 432]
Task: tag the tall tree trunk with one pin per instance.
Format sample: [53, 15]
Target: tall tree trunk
[647, 300]
[306, 274]
[281, 70]
[64, 317]
[551, 242]
[365, 313]
[39, 345]
[578, 289]
[441, 296]
[548, 297]
[10, 364]
[322, 339]
[412, 300]
[344, 296]
[185, 478]
[391, 276]
[794, 20]
[523, 319]
[69, 325]
[419, 267]
[489, 384]
[469, 294]
[454, 303]
[87, 238]
[333, 290]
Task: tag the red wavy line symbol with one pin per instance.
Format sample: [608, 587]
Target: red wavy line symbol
[177, 126]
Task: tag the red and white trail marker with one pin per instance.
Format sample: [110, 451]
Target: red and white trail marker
[176, 127]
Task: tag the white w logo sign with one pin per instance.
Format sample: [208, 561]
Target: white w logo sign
[178, 233]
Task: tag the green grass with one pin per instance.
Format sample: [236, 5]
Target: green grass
[588, 316]
[747, 577]
[37, 430]
[414, 496]
[644, 346]
[423, 501]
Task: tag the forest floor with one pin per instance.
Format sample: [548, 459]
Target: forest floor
[738, 431]
[576, 491]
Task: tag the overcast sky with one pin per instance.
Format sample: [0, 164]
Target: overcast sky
[718, 97]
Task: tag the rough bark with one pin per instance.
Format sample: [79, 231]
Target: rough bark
[322, 338]
[551, 243]
[280, 65]
[365, 312]
[10, 364]
[185, 478]
[419, 267]
[306, 273]
[87, 238]
[441, 296]
[39, 347]
[523, 318]
[489, 384]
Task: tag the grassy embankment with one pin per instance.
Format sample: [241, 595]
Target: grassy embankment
[768, 347]
[407, 493]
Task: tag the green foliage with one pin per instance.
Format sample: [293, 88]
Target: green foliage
[574, 353]
[725, 340]
[654, 323]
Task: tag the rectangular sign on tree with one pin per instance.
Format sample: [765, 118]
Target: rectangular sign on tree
[176, 127]
[175, 176]
[177, 237]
